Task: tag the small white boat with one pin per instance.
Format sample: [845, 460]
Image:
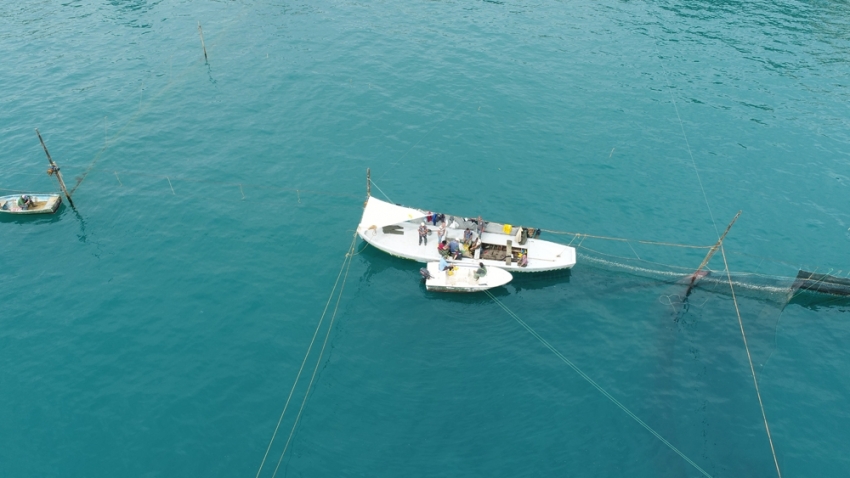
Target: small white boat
[42, 204]
[394, 230]
[463, 278]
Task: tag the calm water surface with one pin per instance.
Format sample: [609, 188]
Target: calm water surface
[156, 329]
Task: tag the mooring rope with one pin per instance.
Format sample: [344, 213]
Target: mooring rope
[594, 384]
[382, 191]
[750, 360]
[623, 239]
[626, 260]
[162, 91]
[687, 143]
[345, 262]
[348, 257]
[240, 186]
[734, 299]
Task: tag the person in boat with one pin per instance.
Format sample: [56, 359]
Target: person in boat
[441, 233]
[444, 265]
[481, 225]
[481, 271]
[475, 245]
[454, 249]
[25, 202]
[467, 236]
[423, 234]
[443, 248]
[523, 259]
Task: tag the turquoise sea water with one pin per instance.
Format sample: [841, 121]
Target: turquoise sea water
[156, 330]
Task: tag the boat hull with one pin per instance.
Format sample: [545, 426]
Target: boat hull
[403, 242]
[44, 204]
[463, 280]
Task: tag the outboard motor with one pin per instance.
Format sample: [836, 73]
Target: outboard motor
[425, 274]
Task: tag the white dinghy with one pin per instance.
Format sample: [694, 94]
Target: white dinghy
[394, 230]
[465, 278]
[41, 204]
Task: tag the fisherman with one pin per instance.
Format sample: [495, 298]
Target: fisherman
[441, 233]
[443, 248]
[25, 202]
[523, 259]
[475, 245]
[454, 249]
[481, 271]
[444, 265]
[423, 234]
[467, 236]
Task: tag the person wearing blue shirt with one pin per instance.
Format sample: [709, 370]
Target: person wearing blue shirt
[467, 236]
[444, 264]
[454, 249]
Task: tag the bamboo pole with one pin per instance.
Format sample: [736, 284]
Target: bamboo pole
[55, 169]
[201, 32]
[368, 185]
[711, 253]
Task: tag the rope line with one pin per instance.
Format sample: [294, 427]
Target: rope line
[687, 143]
[139, 112]
[348, 257]
[382, 191]
[239, 185]
[142, 109]
[594, 384]
[627, 259]
[307, 354]
[622, 239]
[734, 299]
[750, 360]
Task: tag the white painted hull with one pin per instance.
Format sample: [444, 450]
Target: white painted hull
[462, 278]
[44, 204]
[401, 239]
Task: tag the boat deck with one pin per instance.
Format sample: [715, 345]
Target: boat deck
[463, 279]
[402, 240]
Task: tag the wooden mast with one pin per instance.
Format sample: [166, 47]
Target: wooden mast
[203, 45]
[711, 253]
[368, 186]
[54, 169]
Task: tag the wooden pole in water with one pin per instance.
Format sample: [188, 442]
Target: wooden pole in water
[54, 169]
[711, 253]
[368, 186]
[201, 32]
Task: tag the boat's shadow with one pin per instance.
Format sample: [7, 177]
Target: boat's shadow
[815, 301]
[32, 218]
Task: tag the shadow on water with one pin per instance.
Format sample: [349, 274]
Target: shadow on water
[378, 262]
[607, 282]
[540, 280]
[82, 235]
[815, 301]
[33, 218]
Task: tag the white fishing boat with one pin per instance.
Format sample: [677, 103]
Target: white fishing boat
[395, 230]
[465, 278]
[41, 204]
